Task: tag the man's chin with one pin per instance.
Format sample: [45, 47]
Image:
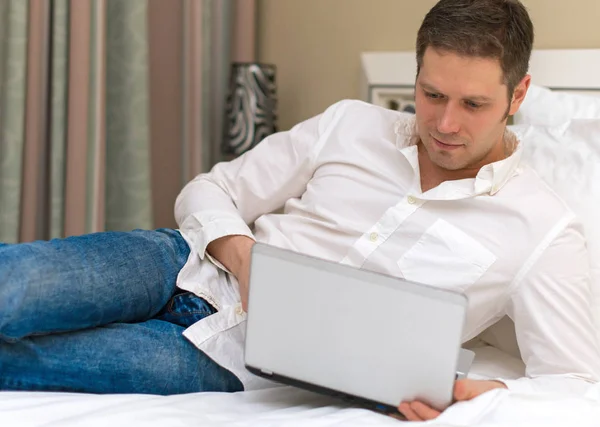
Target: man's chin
[450, 161]
[448, 165]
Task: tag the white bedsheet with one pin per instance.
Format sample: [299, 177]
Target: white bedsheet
[287, 406]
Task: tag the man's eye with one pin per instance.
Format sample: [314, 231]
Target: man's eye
[433, 95]
[473, 105]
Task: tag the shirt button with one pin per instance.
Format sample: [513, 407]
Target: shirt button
[373, 237]
[411, 200]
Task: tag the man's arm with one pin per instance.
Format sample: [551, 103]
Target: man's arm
[225, 201]
[551, 308]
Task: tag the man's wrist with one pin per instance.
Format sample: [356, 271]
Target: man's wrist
[232, 251]
[500, 384]
[241, 254]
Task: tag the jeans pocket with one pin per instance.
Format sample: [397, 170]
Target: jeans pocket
[185, 309]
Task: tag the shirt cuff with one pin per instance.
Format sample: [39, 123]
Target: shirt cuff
[201, 234]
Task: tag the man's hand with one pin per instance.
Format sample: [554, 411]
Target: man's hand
[463, 390]
[234, 253]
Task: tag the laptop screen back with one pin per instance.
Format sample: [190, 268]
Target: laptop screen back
[354, 331]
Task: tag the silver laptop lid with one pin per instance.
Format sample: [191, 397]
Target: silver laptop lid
[365, 334]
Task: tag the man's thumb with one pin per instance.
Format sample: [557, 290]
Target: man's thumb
[463, 390]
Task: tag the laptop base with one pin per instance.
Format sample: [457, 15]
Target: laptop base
[345, 397]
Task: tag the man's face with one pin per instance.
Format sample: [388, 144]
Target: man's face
[461, 106]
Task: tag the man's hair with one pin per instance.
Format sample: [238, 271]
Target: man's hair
[498, 29]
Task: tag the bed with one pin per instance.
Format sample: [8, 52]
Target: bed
[294, 407]
[561, 118]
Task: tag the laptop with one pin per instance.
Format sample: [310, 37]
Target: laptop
[368, 338]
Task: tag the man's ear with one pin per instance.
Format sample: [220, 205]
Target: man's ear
[519, 94]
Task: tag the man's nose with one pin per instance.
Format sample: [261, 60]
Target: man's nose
[449, 122]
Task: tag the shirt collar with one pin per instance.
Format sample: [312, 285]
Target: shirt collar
[489, 180]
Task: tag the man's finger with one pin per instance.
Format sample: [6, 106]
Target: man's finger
[408, 412]
[424, 411]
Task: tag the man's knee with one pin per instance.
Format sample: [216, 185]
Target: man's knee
[21, 291]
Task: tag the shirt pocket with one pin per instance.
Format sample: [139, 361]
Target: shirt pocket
[446, 257]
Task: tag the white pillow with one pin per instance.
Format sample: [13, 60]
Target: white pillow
[567, 157]
[543, 106]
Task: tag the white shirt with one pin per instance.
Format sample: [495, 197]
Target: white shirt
[348, 184]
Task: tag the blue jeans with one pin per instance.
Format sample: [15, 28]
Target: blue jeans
[100, 313]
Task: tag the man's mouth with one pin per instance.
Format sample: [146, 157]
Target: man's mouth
[446, 146]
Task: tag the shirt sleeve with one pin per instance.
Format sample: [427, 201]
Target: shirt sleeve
[553, 317]
[234, 194]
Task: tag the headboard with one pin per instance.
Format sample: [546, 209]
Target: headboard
[387, 78]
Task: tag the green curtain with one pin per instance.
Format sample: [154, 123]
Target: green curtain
[128, 190]
[127, 168]
[13, 54]
[58, 114]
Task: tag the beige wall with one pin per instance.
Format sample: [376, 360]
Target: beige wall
[316, 43]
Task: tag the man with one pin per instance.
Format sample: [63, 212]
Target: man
[440, 198]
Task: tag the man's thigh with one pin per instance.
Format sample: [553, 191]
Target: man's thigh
[87, 281]
[149, 357]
